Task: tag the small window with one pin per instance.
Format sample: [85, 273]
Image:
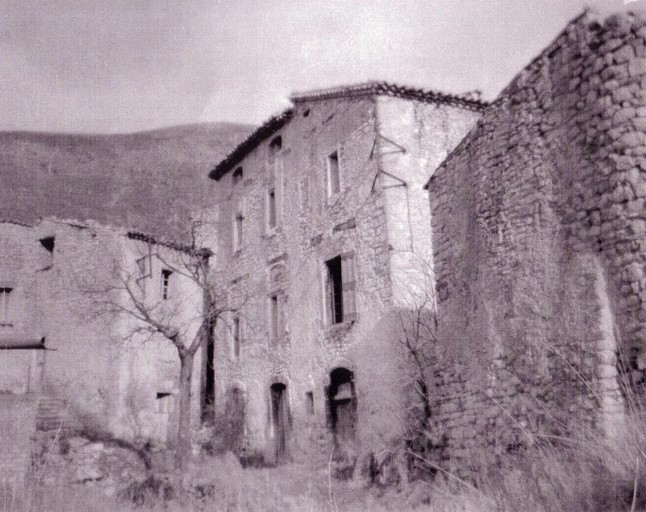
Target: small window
[165, 283]
[333, 176]
[275, 145]
[48, 243]
[309, 403]
[276, 328]
[237, 232]
[271, 208]
[236, 337]
[340, 289]
[164, 402]
[5, 296]
[237, 176]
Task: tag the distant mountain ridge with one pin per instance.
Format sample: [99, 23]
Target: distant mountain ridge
[149, 181]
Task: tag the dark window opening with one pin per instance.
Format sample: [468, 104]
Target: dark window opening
[306, 113]
[237, 176]
[208, 387]
[236, 333]
[48, 243]
[309, 403]
[335, 290]
[237, 235]
[164, 402]
[274, 316]
[271, 208]
[276, 145]
[333, 174]
[165, 276]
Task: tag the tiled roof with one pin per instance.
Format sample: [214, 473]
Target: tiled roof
[135, 235]
[262, 132]
[349, 91]
[388, 89]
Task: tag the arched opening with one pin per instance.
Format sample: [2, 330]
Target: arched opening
[342, 407]
[279, 420]
[234, 418]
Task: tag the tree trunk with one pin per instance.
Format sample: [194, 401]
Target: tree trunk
[183, 448]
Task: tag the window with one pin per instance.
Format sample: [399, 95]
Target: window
[165, 283]
[275, 145]
[340, 289]
[237, 232]
[276, 324]
[236, 177]
[333, 176]
[309, 403]
[48, 243]
[236, 337]
[271, 208]
[5, 293]
[164, 402]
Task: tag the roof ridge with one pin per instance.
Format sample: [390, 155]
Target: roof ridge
[390, 89]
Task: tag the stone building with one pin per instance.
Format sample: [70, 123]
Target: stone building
[67, 340]
[322, 238]
[539, 239]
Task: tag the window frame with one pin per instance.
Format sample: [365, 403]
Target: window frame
[347, 311]
[334, 156]
[236, 336]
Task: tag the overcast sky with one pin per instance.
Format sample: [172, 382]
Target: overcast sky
[126, 65]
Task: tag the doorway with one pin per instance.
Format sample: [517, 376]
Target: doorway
[342, 401]
[234, 414]
[280, 421]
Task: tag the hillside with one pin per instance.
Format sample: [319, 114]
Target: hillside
[149, 181]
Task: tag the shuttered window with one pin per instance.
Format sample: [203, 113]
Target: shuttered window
[348, 287]
[340, 289]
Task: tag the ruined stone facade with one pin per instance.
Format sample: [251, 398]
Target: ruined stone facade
[538, 231]
[62, 336]
[322, 231]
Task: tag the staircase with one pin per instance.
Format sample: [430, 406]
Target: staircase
[54, 414]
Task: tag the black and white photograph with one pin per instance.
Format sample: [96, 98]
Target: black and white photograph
[323, 255]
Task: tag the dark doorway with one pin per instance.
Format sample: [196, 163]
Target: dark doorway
[208, 389]
[280, 420]
[234, 413]
[342, 402]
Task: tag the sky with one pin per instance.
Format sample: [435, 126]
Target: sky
[114, 66]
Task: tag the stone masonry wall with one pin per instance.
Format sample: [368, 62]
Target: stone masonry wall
[538, 230]
[110, 378]
[366, 218]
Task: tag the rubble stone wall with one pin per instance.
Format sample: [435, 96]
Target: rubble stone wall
[538, 229]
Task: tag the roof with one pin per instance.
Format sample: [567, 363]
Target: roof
[349, 91]
[389, 89]
[193, 251]
[266, 129]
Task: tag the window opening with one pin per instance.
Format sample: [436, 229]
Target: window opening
[271, 208]
[276, 145]
[309, 403]
[237, 234]
[237, 176]
[4, 305]
[334, 180]
[165, 276]
[274, 315]
[164, 401]
[335, 290]
[48, 243]
[236, 334]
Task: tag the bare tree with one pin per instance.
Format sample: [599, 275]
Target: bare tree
[157, 319]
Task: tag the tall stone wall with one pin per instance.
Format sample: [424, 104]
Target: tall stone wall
[538, 229]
